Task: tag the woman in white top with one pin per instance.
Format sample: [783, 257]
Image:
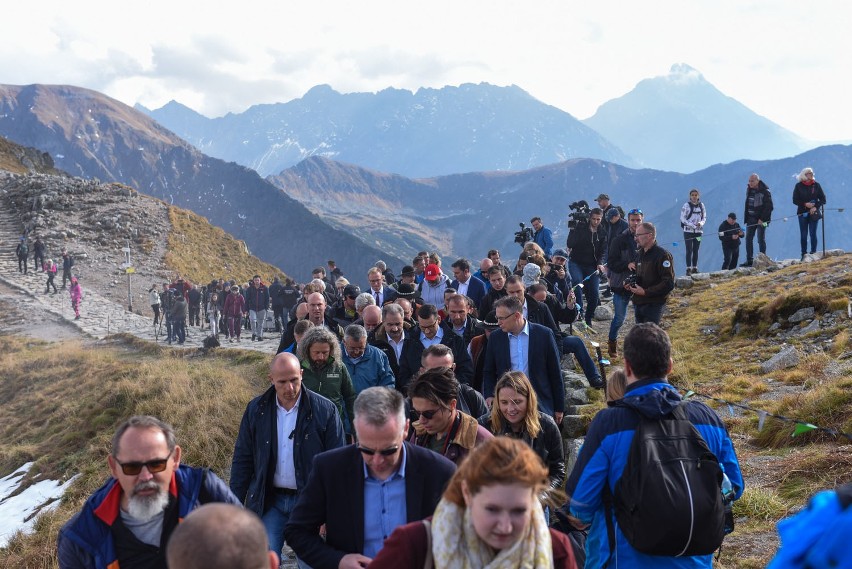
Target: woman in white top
[693, 216]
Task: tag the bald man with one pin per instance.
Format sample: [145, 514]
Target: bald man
[220, 536]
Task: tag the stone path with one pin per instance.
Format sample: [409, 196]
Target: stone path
[100, 316]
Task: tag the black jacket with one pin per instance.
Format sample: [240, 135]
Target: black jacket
[622, 251]
[762, 206]
[288, 337]
[803, 194]
[487, 304]
[379, 339]
[413, 349]
[587, 246]
[318, 429]
[654, 273]
[727, 232]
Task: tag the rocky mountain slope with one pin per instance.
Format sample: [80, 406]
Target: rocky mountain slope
[94, 136]
[429, 132]
[681, 122]
[467, 214]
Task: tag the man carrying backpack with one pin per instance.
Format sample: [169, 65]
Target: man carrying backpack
[678, 520]
[22, 251]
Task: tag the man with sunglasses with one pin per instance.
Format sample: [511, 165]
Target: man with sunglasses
[362, 492]
[129, 520]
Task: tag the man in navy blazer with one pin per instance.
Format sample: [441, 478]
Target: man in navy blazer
[378, 289]
[363, 492]
[467, 284]
[524, 346]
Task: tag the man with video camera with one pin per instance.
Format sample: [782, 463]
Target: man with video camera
[586, 243]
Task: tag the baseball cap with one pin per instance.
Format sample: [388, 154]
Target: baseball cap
[602, 197]
[560, 253]
[432, 272]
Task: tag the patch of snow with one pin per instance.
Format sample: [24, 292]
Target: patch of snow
[18, 513]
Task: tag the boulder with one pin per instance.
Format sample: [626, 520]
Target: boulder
[684, 282]
[786, 358]
[603, 312]
[801, 315]
[762, 262]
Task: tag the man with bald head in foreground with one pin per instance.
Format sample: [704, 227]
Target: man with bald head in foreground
[220, 536]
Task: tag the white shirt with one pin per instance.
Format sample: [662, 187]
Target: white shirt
[285, 469]
[397, 346]
[436, 339]
[462, 288]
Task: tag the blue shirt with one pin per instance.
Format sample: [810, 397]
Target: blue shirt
[519, 349]
[384, 507]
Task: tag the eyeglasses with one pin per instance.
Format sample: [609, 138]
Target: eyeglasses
[640, 234]
[384, 452]
[153, 466]
[425, 414]
[635, 212]
[501, 318]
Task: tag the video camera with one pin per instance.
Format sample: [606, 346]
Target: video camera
[580, 213]
[524, 235]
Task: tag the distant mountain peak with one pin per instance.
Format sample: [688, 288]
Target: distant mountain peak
[683, 71]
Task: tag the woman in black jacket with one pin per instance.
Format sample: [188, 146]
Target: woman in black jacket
[809, 199]
[515, 414]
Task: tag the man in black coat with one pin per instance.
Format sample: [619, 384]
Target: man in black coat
[758, 214]
[362, 492]
[430, 330]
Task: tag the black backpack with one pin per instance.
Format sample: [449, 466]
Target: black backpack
[669, 498]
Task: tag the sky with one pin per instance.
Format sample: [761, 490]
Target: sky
[787, 60]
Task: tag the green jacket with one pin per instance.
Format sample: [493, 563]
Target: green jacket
[334, 383]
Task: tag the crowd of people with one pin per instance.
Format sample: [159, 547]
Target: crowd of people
[416, 423]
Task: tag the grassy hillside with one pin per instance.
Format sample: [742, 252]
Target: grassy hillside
[59, 404]
[202, 252]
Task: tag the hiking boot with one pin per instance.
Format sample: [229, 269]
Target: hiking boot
[613, 348]
[596, 382]
[253, 337]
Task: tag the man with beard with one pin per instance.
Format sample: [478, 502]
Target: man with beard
[129, 520]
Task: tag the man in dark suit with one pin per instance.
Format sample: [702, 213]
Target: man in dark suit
[378, 289]
[524, 346]
[429, 331]
[467, 284]
[363, 492]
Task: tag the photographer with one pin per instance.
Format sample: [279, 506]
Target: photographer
[621, 267]
[587, 241]
[654, 276]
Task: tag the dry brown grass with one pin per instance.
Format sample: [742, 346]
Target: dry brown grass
[60, 403]
[202, 252]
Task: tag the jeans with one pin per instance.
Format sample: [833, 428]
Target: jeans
[648, 312]
[179, 331]
[170, 335]
[808, 225]
[693, 243]
[731, 255]
[257, 319]
[22, 265]
[576, 346]
[590, 287]
[620, 300]
[751, 230]
[279, 315]
[274, 520]
[214, 324]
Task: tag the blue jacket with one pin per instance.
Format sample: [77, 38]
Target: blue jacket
[86, 541]
[372, 369]
[604, 455]
[544, 239]
[318, 429]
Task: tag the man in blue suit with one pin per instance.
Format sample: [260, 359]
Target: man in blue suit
[378, 289]
[523, 346]
[467, 284]
[363, 492]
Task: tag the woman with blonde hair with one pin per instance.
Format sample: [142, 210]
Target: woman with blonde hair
[489, 517]
[515, 414]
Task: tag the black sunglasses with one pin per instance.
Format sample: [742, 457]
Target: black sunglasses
[153, 466]
[415, 414]
[384, 452]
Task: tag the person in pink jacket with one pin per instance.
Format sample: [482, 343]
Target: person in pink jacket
[76, 292]
[234, 311]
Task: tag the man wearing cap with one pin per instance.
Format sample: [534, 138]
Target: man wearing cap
[587, 242]
[559, 278]
[344, 312]
[406, 277]
[543, 237]
[378, 289]
[467, 284]
[604, 203]
[615, 226]
[730, 234]
[432, 288]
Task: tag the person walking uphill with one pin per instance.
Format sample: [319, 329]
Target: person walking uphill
[257, 301]
[22, 252]
[234, 310]
[50, 269]
[76, 292]
[67, 264]
[809, 199]
[693, 216]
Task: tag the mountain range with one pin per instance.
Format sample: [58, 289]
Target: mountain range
[91, 135]
[682, 122]
[678, 122]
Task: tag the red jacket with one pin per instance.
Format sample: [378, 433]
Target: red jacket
[235, 305]
[406, 547]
